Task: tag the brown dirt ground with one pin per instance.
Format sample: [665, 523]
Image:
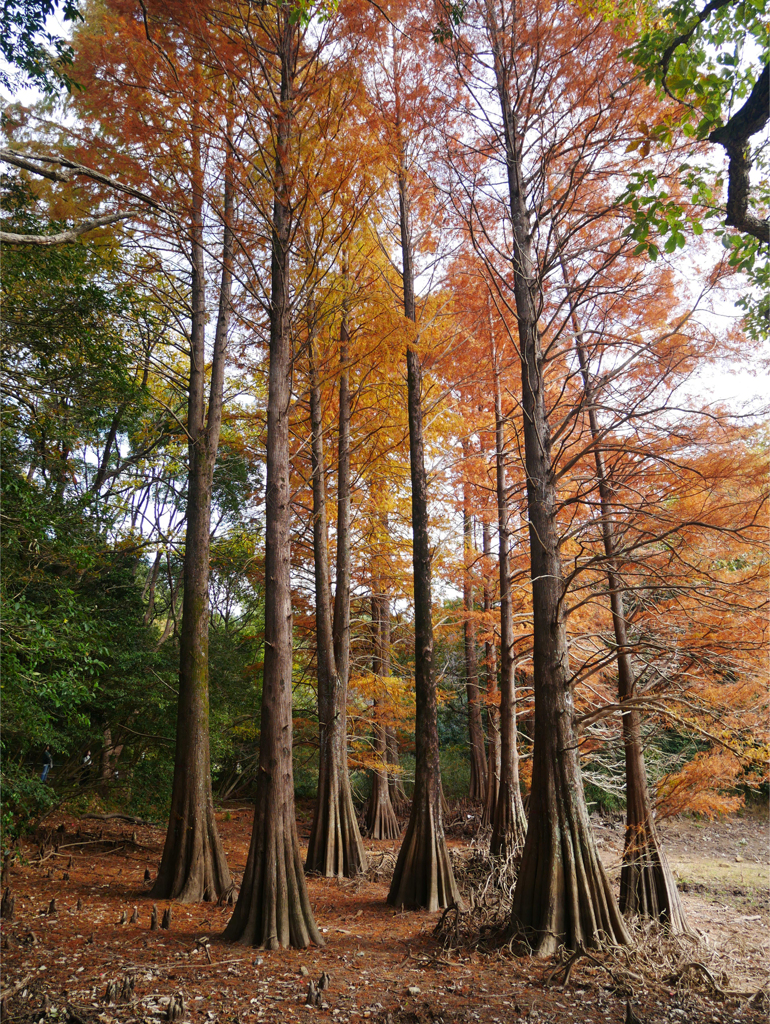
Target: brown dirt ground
[385, 966]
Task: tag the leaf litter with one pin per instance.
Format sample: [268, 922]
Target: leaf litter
[83, 966]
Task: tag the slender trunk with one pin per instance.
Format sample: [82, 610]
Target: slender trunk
[380, 817]
[109, 444]
[193, 865]
[335, 848]
[647, 884]
[493, 696]
[109, 756]
[354, 855]
[478, 781]
[273, 908]
[509, 825]
[149, 589]
[563, 895]
[328, 681]
[423, 874]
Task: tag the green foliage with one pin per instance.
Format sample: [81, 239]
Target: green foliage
[707, 58]
[605, 801]
[452, 16]
[36, 56]
[656, 216]
[455, 770]
[25, 799]
[707, 62]
[77, 657]
[304, 11]
[148, 782]
[75, 649]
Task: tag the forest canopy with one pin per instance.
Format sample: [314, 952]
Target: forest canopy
[368, 380]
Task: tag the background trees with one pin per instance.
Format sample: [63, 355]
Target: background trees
[551, 392]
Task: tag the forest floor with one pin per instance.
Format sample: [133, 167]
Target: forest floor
[384, 966]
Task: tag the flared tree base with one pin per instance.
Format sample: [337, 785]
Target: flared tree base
[647, 885]
[423, 876]
[563, 896]
[381, 821]
[335, 849]
[193, 866]
[477, 789]
[509, 825]
[273, 909]
[490, 801]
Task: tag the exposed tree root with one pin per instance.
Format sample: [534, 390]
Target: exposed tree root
[130, 818]
[486, 884]
[658, 962]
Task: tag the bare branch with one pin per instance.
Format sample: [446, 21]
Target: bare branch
[71, 170]
[61, 237]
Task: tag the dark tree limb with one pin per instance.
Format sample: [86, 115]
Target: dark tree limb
[47, 166]
[734, 137]
[684, 37]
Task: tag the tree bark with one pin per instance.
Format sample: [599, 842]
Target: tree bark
[509, 824]
[647, 884]
[381, 819]
[478, 780]
[398, 796]
[335, 848]
[149, 589]
[273, 908]
[193, 865]
[109, 756]
[562, 895]
[734, 136]
[493, 698]
[423, 874]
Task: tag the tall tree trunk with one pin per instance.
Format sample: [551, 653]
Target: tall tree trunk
[193, 865]
[149, 589]
[273, 908]
[423, 874]
[647, 884]
[509, 825]
[478, 781]
[335, 848]
[107, 761]
[381, 819]
[562, 895]
[493, 697]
